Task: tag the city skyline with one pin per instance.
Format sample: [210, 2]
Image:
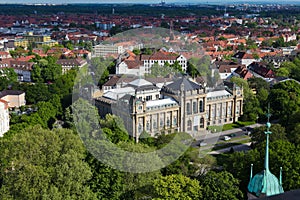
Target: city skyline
[148, 2]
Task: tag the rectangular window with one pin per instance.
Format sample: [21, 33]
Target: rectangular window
[201, 106]
[188, 108]
[194, 107]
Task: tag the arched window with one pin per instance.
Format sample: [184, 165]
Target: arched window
[201, 109]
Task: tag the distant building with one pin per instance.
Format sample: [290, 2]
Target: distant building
[38, 41]
[23, 69]
[245, 58]
[4, 55]
[226, 68]
[68, 64]
[102, 50]
[4, 117]
[260, 70]
[14, 98]
[142, 64]
[242, 72]
[182, 105]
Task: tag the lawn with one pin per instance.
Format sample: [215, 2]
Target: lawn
[237, 125]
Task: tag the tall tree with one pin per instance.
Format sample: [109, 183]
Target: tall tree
[176, 186]
[220, 186]
[43, 164]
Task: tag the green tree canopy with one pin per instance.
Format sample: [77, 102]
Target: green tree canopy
[43, 164]
[7, 77]
[220, 186]
[176, 186]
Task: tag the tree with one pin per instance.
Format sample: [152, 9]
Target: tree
[43, 164]
[252, 107]
[106, 183]
[114, 128]
[294, 135]
[278, 133]
[285, 97]
[279, 42]
[136, 51]
[176, 186]
[222, 38]
[192, 70]
[241, 47]
[7, 77]
[220, 186]
[36, 74]
[284, 72]
[36, 92]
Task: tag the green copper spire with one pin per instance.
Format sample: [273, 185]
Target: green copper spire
[265, 183]
[268, 132]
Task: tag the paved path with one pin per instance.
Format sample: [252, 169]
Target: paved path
[240, 147]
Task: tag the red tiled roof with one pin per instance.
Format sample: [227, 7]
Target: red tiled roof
[133, 64]
[5, 103]
[243, 72]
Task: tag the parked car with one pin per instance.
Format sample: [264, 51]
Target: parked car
[248, 130]
[202, 144]
[226, 138]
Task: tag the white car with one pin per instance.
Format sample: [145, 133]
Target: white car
[202, 144]
[226, 138]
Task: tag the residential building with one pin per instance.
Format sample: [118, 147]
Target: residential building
[142, 64]
[18, 42]
[4, 55]
[226, 68]
[182, 105]
[68, 64]
[133, 67]
[38, 41]
[245, 58]
[23, 69]
[259, 69]
[242, 72]
[4, 117]
[14, 98]
[103, 50]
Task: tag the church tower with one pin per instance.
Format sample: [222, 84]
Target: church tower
[265, 183]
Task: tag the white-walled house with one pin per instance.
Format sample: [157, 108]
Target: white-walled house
[133, 67]
[245, 58]
[4, 117]
[142, 64]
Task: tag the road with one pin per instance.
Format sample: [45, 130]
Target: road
[241, 147]
[212, 138]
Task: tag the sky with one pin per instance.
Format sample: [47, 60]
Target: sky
[147, 1]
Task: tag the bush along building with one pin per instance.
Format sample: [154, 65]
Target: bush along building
[182, 105]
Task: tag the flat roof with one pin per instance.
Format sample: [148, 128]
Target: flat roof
[160, 102]
[119, 93]
[218, 93]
